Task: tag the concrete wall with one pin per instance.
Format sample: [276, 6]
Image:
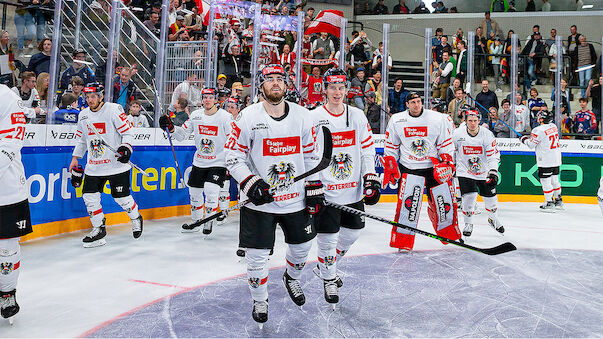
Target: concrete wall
[477, 6]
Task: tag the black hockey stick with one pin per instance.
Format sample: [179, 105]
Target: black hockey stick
[324, 163]
[504, 123]
[500, 249]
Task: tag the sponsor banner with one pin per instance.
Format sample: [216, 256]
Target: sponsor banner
[58, 135]
[35, 135]
[161, 139]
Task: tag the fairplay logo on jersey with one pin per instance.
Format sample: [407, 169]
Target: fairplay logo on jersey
[18, 118]
[208, 130]
[100, 127]
[417, 131]
[344, 139]
[281, 146]
[468, 150]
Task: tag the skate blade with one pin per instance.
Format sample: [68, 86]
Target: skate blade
[11, 321]
[93, 244]
[548, 211]
[194, 230]
[261, 326]
[333, 307]
[467, 234]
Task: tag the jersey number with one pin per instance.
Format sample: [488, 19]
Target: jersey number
[20, 132]
[554, 141]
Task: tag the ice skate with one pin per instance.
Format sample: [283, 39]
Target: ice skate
[221, 220]
[338, 280]
[8, 305]
[260, 312]
[559, 204]
[331, 292]
[548, 207]
[294, 289]
[468, 229]
[96, 237]
[208, 226]
[186, 228]
[137, 227]
[495, 223]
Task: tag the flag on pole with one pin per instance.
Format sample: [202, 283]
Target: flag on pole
[328, 21]
[203, 6]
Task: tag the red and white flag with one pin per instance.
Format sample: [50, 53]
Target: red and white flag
[328, 21]
[204, 6]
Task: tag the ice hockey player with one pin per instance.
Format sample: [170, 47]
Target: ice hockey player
[109, 121]
[418, 153]
[349, 179]
[545, 139]
[272, 142]
[232, 107]
[476, 159]
[210, 126]
[14, 208]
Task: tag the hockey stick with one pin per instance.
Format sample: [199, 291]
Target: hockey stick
[500, 249]
[504, 123]
[324, 163]
[169, 136]
[93, 128]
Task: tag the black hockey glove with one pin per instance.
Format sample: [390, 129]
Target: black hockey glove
[125, 152]
[372, 189]
[524, 138]
[166, 122]
[492, 178]
[77, 174]
[257, 190]
[315, 197]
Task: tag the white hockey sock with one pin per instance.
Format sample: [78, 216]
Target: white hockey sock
[257, 273]
[196, 195]
[224, 198]
[547, 188]
[468, 201]
[94, 208]
[556, 186]
[491, 204]
[327, 255]
[296, 257]
[129, 205]
[212, 191]
[10, 260]
[347, 237]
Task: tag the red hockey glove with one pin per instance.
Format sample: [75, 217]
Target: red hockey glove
[443, 170]
[391, 172]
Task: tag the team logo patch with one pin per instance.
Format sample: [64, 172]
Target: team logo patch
[254, 282]
[280, 176]
[341, 166]
[419, 147]
[6, 267]
[475, 164]
[411, 203]
[207, 146]
[329, 260]
[443, 208]
[96, 148]
[299, 266]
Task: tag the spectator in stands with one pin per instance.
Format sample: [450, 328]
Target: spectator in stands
[499, 122]
[287, 56]
[42, 88]
[455, 105]
[152, 23]
[374, 84]
[68, 112]
[124, 89]
[584, 121]
[479, 57]
[373, 112]
[323, 47]
[77, 68]
[437, 38]
[456, 83]
[566, 97]
[357, 88]
[585, 56]
[77, 88]
[489, 26]
[441, 48]
[533, 51]
[136, 117]
[315, 93]
[309, 17]
[236, 66]
[180, 113]
[378, 58]
[189, 90]
[459, 36]
[154, 8]
[8, 79]
[546, 6]
[24, 20]
[221, 83]
[535, 104]
[486, 98]
[522, 115]
[579, 5]
[497, 49]
[594, 91]
[530, 6]
[553, 60]
[461, 63]
[40, 62]
[401, 8]
[444, 71]
[518, 91]
[572, 39]
[360, 45]
[397, 97]
[237, 91]
[551, 40]
[380, 8]
[177, 28]
[29, 95]
[421, 9]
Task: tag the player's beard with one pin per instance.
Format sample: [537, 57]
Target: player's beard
[272, 97]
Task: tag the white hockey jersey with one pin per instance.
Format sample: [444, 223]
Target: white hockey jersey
[277, 150]
[138, 121]
[475, 155]
[412, 141]
[545, 139]
[353, 153]
[211, 133]
[113, 127]
[28, 104]
[12, 131]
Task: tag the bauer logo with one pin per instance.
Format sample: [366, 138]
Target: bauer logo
[468, 150]
[412, 203]
[18, 118]
[281, 146]
[100, 127]
[208, 130]
[418, 131]
[344, 139]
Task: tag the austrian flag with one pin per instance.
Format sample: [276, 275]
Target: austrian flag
[328, 21]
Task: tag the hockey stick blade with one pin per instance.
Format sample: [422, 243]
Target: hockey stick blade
[500, 249]
[327, 152]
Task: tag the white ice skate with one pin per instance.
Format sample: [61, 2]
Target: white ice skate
[8, 305]
[548, 207]
[468, 229]
[559, 204]
[137, 227]
[96, 237]
[495, 223]
[338, 280]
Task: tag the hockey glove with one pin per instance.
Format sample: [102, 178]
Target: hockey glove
[77, 174]
[372, 189]
[257, 190]
[315, 197]
[443, 170]
[125, 152]
[492, 178]
[391, 172]
[524, 138]
[166, 122]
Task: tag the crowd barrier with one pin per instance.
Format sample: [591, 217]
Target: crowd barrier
[56, 207]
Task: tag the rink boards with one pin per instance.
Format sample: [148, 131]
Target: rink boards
[56, 207]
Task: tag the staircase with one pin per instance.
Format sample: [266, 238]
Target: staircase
[411, 73]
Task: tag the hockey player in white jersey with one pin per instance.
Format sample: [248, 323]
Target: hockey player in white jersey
[271, 142]
[210, 126]
[476, 159]
[109, 121]
[232, 107]
[15, 219]
[418, 153]
[545, 139]
[349, 180]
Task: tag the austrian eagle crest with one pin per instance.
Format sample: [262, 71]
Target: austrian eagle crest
[280, 175]
[419, 148]
[475, 165]
[341, 166]
[96, 148]
[207, 146]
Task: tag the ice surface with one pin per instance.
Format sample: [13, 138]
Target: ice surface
[169, 284]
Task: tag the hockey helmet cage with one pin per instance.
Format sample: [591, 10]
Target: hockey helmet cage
[334, 76]
[94, 87]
